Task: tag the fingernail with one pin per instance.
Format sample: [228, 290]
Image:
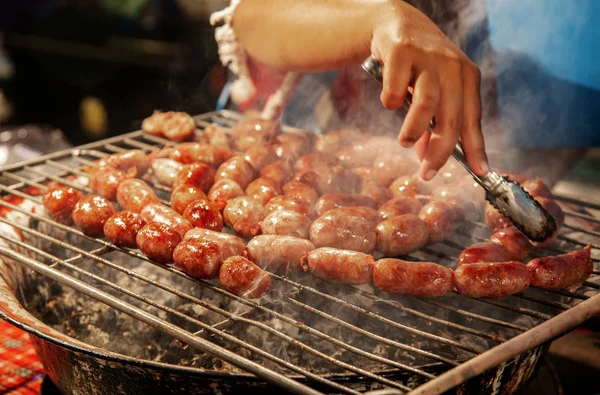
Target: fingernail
[407, 143]
[484, 167]
[427, 173]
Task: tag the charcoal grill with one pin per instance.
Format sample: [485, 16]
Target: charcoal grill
[372, 342]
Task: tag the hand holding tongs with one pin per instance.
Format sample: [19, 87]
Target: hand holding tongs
[507, 196]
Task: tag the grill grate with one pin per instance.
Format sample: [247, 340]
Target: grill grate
[430, 332]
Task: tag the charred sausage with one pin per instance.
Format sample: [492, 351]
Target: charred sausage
[176, 126]
[104, 181]
[343, 232]
[59, 203]
[223, 191]
[420, 279]
[158, 212]
[263, 190]
[343, 266]
[230, 245]
[123, 227]
[158, 241]
[286, 223]
[274, 252]
[243, 278]
[135, 194]
[401, 235]
[561, 271]
[183, 195]
[337, 200]
[212, 155]
[204, 214]
[399, 206]
[491, 279]
[244, 214]
[514, 241]
[91, 212]
[198, 258]
[198, 174]
[236, 169]
[126, 160]
[439, 219]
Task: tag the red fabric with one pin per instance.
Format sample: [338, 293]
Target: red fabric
[21, 372]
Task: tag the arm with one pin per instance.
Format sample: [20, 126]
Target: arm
[317, 35]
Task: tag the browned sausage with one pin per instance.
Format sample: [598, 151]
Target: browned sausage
[365, 174]
[439, 219]
[91, 212]
[487, 251]
[399, 206]
[198, 258]
[212, 155]
[273, 252]
[59, 203]
[334, 179]
[401, 234]
[536, 188]
[388, 168]
[343, 266]
[314, 161]
[494, 219]
[333, 140]
[104, 181]
[123, 227]
[280, 172]
[514, 241]
[204, 214]
[559, 216]
[243, 278]
[236, 169]
[288, 203]
[126, 160]
[244, 214]
[286, 223]
[135, 194]
[176, 126]
[344, 232]
[405, 186]
[491, 279]
[183, 195]
[561, 271]
[368, 214]
[158, 212]
[230, 245]
[165, 170]
[198, 174]
[253, 132]
[223, 191]
[420, 279]
[299, 191]
[295, 144]
[263, 190]
[215, 135]
[376, 191]
[158, 241]
[260, 156]
[337, 200]
[356, 155]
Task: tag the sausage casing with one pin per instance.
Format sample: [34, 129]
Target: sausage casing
[183, 195]
[237, 169]
[204, 214]
[273, 252]
[286, 223]
[59, 203]
[337, 200]
[561, 271]
[399, 206]
[439, 219]
[230, 245]
[343, 232]
[242, 277]
[198, 258]
[491, 279]
[401, 234]
[263, 190]
[158, 212]
[158, 241]
[343, 266]
[123, 227]
[421, 279]
[198, 174]
[91, 212]
[487, 251]
[244, 214]
[134, 194]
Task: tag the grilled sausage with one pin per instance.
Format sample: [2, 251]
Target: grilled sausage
[212, 155]
[263, 190]
[274, 252]
[91, 212]
[286, 223]
[366, 213]
[244, 214]
[399, 206]
[288, 203]
[184, 195]
[158, 212]
[198, 258]
[334, 179]
[230, 245]
[260, 156]
[420, 279]
[165, 170]
[337, 200]
[104, 181]
[405, 186]
[494, 220]
[243, 278]
[559, 217]
[204, 214]
[401, 234]
[176, 126]
[299, 191]
[514, 241]
[134, 194]
[59, 203]
[365, 174]
[213, 134]
[487, 251]
[158, 241]
[236, 169]
[122, 228]
[536, 188]
[280, 172]
[126, 160]
[223, 191]
[376, 191]
[254, 132]
[561, 271]
[439, 219]
[344, 232]
[315, 160]
[198, 174]
[356, 155]
[342, 266]
[333, 140]
[388, 168]
[293, 145]
[491, 279]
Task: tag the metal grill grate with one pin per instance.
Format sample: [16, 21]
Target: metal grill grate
[426, 337]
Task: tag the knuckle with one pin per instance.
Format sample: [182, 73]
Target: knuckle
[427, 102]
[472, 68]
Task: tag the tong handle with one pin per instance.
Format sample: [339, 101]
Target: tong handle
[374, 67]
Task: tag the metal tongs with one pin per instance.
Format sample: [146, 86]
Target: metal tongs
[505, 195]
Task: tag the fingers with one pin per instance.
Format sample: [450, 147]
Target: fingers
[424, 105]
[472, 136]
[396, 78]
[449, 121]
[421, 146]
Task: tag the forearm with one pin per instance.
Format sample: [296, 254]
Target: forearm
[307, 35]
